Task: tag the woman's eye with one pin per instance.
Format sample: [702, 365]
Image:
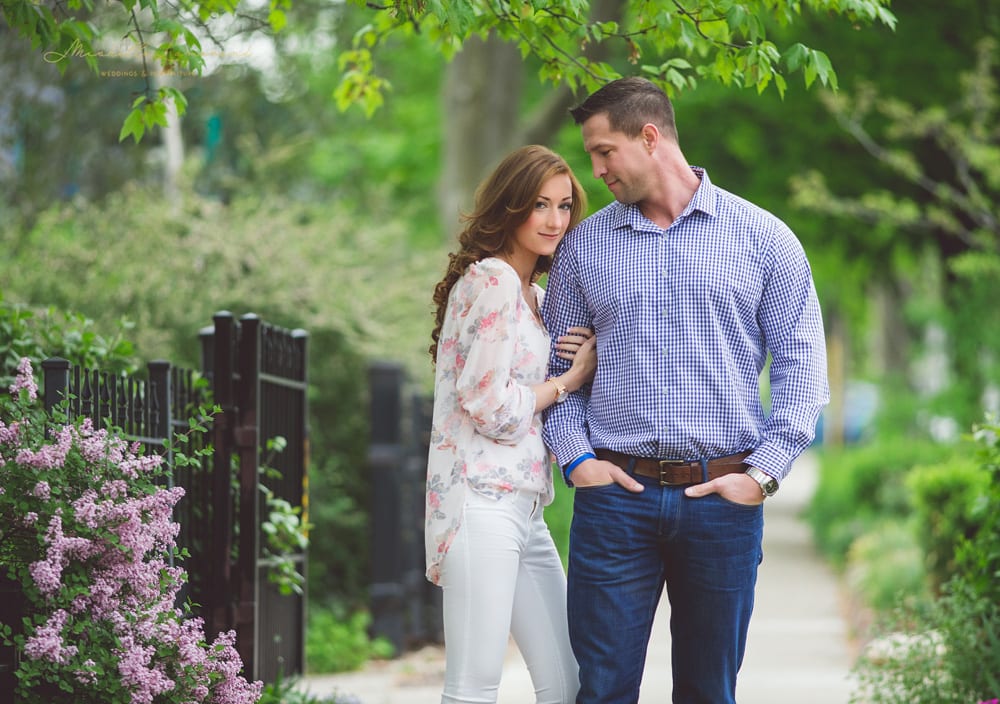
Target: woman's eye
[566, 206]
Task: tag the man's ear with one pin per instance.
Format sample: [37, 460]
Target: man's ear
[650, 136]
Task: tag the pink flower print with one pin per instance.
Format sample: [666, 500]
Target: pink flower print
[488, 322]
[487, 381]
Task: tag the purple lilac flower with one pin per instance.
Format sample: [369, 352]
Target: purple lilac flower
[121, 530]
[49, 456]
[10, 434]
[25, 379]
[42, 491]
[134, 666]
[47, 642]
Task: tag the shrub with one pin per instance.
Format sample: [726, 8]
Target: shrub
[864, 485]
[885, 566]
[962, 663]
[38, 334]
[945, 653]
[978, 559]
[945, 498]
[285, 691]
[349, 278]
[337, 642]
[86, 529]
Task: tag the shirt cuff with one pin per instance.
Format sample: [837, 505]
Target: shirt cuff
[572, 465]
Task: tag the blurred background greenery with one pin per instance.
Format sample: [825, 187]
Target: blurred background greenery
[266, 198]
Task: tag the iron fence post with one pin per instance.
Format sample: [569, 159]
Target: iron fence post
[385, 456]
[56, 371]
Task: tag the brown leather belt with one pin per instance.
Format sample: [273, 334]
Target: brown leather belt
[676, 472]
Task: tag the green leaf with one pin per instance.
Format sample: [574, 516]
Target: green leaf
[133, 125]
[277, 19]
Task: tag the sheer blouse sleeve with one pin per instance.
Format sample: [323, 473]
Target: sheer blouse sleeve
[500, 407]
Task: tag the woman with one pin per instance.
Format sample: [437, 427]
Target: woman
[489, 474]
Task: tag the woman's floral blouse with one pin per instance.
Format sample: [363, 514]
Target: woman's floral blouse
[485, 436]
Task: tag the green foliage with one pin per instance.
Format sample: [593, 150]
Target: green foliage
[559, 515]
[951, 655]
[284, 530]
[351, 281]
[946, 497]
[285, 691]
[932, 216]
[862, 486]
[86, 533]
[978, 559]
[948, 652]
[884, 566]
[338, 642]
[719, 41]
[314, 265]
[163, 38]
[38, 334]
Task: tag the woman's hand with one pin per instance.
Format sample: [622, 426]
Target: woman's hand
[569, 344]
[579, 345]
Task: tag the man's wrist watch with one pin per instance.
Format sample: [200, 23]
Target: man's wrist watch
[768, 484]
[561, 392]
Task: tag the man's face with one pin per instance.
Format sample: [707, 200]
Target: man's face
[621, 162]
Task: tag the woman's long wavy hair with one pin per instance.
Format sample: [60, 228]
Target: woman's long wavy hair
[503, 202]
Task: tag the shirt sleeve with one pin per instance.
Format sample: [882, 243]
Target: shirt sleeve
[564, 306]
[792, 325]
[499, 407]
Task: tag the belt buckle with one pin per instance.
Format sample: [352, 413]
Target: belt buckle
[670, 463]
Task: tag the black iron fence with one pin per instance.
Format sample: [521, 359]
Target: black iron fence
[406, 608]
[256, 374]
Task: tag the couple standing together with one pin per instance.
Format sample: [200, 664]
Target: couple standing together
[644, 357]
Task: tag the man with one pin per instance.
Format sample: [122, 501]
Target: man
[689, 289]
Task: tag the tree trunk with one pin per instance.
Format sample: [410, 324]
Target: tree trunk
[173, 144]
[481, 103]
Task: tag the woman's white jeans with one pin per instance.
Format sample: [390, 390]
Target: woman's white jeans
[502, 576]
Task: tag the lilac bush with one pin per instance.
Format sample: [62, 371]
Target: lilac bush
[87, 531]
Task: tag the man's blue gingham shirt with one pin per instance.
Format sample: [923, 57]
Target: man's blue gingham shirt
[685, 319]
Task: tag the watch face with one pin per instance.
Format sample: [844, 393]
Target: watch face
[768, 484]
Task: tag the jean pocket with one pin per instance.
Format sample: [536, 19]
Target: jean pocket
[593, 487]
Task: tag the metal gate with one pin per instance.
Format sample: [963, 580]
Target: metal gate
[258, 377]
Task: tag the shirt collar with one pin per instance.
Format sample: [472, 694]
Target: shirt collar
[629, 215]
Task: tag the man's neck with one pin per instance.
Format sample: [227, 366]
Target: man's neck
[675, 188]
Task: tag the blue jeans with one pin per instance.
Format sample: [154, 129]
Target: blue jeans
[624, 548]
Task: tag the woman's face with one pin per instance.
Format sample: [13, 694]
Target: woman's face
[546, 225]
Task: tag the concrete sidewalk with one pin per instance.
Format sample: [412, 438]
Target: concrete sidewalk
[798, 646]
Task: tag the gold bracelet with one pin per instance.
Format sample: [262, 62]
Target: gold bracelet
[561, 392]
